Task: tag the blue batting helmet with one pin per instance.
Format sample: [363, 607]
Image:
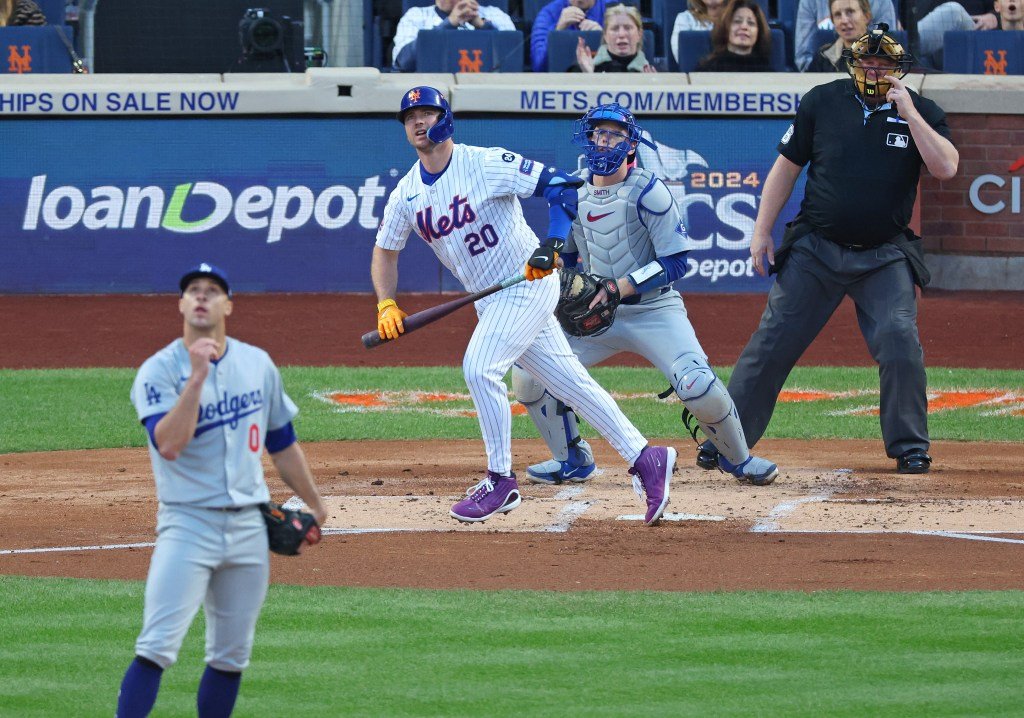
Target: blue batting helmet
[606, 160]
[424, 96]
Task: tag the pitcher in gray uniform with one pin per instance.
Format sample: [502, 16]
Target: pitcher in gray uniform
[629, 228]
[210, 405]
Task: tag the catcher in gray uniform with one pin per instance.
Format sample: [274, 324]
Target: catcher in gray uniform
[630, 237]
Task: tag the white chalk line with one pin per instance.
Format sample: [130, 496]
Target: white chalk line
[770, 523]
[53, 549]
[574, 509]
[570, 512]
[672, 517]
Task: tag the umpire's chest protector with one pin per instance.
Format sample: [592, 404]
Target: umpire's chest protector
[615, 241]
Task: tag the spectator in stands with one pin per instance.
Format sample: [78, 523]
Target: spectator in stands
[937, 17]
[561, 15]
[1010, 14]
[740, 40]
[851, 18]
[621, 45]
[700, 15]
[20, 12]
[814, 15]
[441, 16]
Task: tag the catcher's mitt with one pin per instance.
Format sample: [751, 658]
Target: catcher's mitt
[577, 291]
[288, 530]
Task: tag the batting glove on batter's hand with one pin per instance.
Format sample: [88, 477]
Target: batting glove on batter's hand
[541, 264]
[389, 319]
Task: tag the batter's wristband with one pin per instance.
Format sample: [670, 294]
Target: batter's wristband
[381, 306]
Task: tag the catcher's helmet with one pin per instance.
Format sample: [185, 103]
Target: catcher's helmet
[876, 43]
[424, 96]
[606, 160]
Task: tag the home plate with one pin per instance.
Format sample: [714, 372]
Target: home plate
[672, 517]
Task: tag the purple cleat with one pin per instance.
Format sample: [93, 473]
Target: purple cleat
[496, 494]
[652, 475]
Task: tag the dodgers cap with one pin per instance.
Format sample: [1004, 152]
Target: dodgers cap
[206, 270]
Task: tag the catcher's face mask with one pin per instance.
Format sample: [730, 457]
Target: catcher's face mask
[607, 134]
[873, 56]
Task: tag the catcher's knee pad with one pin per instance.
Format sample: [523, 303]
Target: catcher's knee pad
[555, 421]
[706, 397]
[700, 389]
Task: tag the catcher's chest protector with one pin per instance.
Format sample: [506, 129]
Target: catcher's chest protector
[616, 241]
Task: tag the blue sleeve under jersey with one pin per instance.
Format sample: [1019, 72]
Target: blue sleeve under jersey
[150, 423]
[280, 439]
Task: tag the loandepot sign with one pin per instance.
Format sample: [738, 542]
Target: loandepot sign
[258, 207]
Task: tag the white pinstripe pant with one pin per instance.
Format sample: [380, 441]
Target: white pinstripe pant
[518, 325]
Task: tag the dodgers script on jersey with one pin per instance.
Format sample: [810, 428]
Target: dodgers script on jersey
[242, 398]
[470, 216]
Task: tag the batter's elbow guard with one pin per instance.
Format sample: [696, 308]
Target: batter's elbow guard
[559, 189]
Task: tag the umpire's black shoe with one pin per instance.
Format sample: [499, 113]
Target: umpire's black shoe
[915, 461]
[707, 455]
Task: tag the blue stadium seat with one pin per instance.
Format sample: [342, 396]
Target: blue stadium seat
[995, 52]
[562, 47]
[664, 13]
[695, 44]
[54, 10]
[785, 20]
[476, 51]
[500, 4]
[34, 50]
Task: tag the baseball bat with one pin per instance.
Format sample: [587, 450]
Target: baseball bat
[431, 315]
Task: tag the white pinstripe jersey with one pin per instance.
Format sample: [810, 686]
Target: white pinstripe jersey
[470, 217]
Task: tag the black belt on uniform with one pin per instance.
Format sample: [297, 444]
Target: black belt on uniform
[230, 509]
[855, 247]
[637, 298]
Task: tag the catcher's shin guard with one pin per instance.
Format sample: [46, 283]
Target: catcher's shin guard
[707, 399]
[573, 458]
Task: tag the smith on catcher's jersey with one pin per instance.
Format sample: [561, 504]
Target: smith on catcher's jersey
[242, 398]
[623, 227]
[469, 215]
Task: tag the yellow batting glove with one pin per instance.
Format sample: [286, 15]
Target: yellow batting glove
[389, 319]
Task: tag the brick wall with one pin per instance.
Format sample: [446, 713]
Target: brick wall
[988, 144]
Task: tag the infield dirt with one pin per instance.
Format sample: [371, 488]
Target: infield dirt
[808, 531]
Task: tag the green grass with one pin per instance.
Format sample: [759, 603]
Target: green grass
[89, 408]
[345, 651]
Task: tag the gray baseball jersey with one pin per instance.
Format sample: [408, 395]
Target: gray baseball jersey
[619, 229]
[241, 400]
[624, 227]
[211, 546]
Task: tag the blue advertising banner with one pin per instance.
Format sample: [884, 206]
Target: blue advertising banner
[123, 205]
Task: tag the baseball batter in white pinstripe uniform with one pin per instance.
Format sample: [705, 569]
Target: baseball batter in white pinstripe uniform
[210, 405]
[629, 229]
[464, 202]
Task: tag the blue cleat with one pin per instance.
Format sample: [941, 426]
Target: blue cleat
[554, 471]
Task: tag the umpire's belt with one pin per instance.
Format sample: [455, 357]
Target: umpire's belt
[637, 298]
[855, 247]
